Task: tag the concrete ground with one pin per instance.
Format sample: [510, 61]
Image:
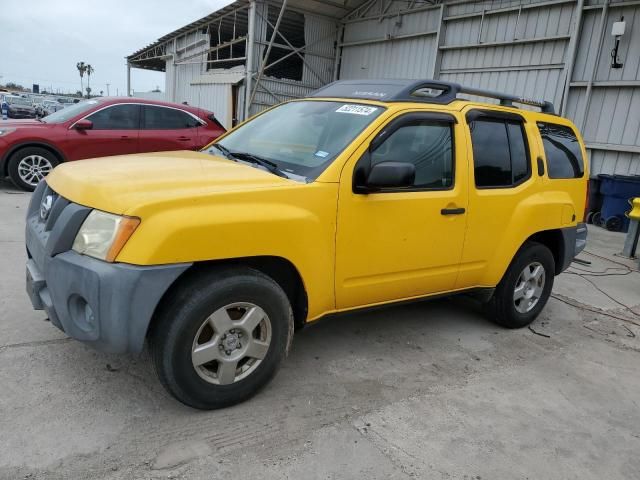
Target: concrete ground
[431, 390]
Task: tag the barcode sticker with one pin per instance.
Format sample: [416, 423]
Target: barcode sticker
[357, 109]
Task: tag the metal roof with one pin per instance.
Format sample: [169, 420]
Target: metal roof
[330, 8]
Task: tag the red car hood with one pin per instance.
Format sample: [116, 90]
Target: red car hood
[16, 122]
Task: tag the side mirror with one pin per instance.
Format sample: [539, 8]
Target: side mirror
[83, 124]
[391, 175]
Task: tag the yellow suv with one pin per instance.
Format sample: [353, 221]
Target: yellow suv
[367, 193]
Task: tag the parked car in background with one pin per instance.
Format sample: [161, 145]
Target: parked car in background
[19, 107]
[51, 106]
[36, 102]
[66, 101]
[100, 127]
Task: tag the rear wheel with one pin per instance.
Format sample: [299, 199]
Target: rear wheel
[525, 288]
[221, 337]
[28, 166]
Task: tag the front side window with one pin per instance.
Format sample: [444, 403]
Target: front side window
[301, 138]
[162, 118]
[117, 117]
[427, 145]
[71, 111]
[500, 153]
[562, 149]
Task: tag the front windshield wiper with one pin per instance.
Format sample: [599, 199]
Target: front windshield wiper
[263, 162]
[250, 157]
[223, 149]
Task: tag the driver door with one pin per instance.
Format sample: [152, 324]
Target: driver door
[399, 243]
[115, 132]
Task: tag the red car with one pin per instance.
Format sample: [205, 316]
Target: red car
[100, 127]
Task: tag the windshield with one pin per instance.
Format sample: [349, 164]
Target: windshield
[301, 138]
[18, 101]
[69, 112]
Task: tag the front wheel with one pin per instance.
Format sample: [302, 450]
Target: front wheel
[28, 167]
[221, 336]
[525, 288]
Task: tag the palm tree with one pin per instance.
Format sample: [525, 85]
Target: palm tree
[90, 70]
[81, 69]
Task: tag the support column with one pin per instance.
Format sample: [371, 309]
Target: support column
[128, 79]
[337, 60]
[250, 62]
[437, 59]
[266, 56]
[570, 61]
[594, 69]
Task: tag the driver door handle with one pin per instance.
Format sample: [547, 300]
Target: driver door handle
[452, 211]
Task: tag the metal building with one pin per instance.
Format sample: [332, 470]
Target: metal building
[255, 53]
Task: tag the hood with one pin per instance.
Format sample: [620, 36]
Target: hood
[20, 107]
[27, 122]
[124, 183]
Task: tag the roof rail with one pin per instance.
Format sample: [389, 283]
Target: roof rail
[427, 91]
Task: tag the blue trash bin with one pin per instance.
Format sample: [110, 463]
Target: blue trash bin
[616, 191]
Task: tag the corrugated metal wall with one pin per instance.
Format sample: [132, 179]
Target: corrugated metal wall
[515, 46]
[603, 101]
[185, 83]
[390, 47]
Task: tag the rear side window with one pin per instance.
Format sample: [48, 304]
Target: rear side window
[162, 118]
[562, 149]
[500, 152]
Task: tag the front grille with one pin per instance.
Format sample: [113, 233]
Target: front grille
[50, 212]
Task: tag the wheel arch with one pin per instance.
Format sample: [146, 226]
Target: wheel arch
[555, 240]
[281, 270]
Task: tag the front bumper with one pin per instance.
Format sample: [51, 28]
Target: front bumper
[106, 305]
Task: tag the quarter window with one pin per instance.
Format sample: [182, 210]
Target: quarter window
[162, 118]
[428, 146]
[500, 153]
[117, 117]
[561, 147]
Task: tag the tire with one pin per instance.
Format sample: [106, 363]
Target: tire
[29, 165]
[516, 312]
[209, 316]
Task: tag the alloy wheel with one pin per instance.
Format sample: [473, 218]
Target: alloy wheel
[33, 168]
[529, 287]
[231, 343]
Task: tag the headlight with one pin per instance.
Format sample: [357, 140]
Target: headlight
[4, 131]
[102, 235]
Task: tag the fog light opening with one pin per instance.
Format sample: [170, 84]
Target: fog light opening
[82, 313]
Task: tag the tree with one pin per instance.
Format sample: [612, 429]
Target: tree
[101, 92]
[82, 68]
[88, 92]
[90, 70]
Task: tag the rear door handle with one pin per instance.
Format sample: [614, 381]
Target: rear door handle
[452, 211]
[184, 139]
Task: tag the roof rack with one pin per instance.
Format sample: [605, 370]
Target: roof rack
[427, 91]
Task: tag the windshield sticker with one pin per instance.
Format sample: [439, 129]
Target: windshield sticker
[321, 154]
[357, 109]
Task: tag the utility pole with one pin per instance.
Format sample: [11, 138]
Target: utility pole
[108, 89]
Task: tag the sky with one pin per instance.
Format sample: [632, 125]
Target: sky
[41, 41]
